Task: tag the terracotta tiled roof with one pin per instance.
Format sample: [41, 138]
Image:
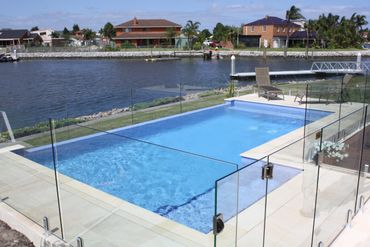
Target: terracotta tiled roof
[271, 20]
[142, 35]
[147, 23]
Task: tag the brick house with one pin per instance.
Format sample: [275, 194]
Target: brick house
[145, 32]
[271, 30]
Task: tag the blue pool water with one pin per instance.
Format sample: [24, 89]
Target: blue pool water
[178, 184]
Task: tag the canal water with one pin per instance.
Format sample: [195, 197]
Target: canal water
[34, 90]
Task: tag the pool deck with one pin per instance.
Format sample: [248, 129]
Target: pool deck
[104, 220]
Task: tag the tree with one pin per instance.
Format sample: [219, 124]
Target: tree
[190, 30]
[35, 28]
[233, 33]
[359, 20]
[204, 35]
[55, 35]
[89, 34]
[75, 28]
[308, 27]
[220, 32]
[334, 31]
[292, 14]
[108, 30]
[66, 33]
[170, 35]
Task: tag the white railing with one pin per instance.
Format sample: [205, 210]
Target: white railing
[340, 67]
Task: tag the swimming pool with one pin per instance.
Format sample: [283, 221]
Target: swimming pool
[136, 165]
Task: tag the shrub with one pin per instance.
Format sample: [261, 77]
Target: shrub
[231, 90]
[110, 48]
[197, 46]
[240, 46]
[127, 45]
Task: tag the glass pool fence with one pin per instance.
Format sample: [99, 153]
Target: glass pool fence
[312, 207]
[87, 206]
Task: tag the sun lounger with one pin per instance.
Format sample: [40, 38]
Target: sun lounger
[264, 84]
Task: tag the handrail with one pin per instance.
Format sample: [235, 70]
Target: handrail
[340, 66]
[7, 124]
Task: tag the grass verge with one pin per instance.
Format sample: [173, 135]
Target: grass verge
[140, 116]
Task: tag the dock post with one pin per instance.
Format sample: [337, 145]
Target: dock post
[232, 65]
[358, 65]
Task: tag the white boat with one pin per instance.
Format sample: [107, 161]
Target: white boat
[7, 57]
[158, 59]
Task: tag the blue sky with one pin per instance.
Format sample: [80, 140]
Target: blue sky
[95, 13]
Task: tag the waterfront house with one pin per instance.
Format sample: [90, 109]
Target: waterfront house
[33, 39]
[270, 31]
[46, 36]
[10, 37]
[146, 33]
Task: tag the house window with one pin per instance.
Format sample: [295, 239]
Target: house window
[252, 28]
[127, 30]
[278, 29]
[264, 28]
[284, 30]
[290, 30]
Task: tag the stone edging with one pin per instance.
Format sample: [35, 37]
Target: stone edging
[142, 54]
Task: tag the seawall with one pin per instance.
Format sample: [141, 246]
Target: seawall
[143, 54]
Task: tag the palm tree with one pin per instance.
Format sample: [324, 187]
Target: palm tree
[339, 32]
[292, 14]
[359, 21]
[190, 30]
[233, 34]
[170, 35]
[309, 27]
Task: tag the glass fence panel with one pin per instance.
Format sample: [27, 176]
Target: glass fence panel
[251, 204]
[156, 101]
[6, 132]
[322, 96]
[364, 183]
[29, 187]
[338, 176]
[291, 198]
[119, 190]
[353, 89]
[226, 208]
[240, 202]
